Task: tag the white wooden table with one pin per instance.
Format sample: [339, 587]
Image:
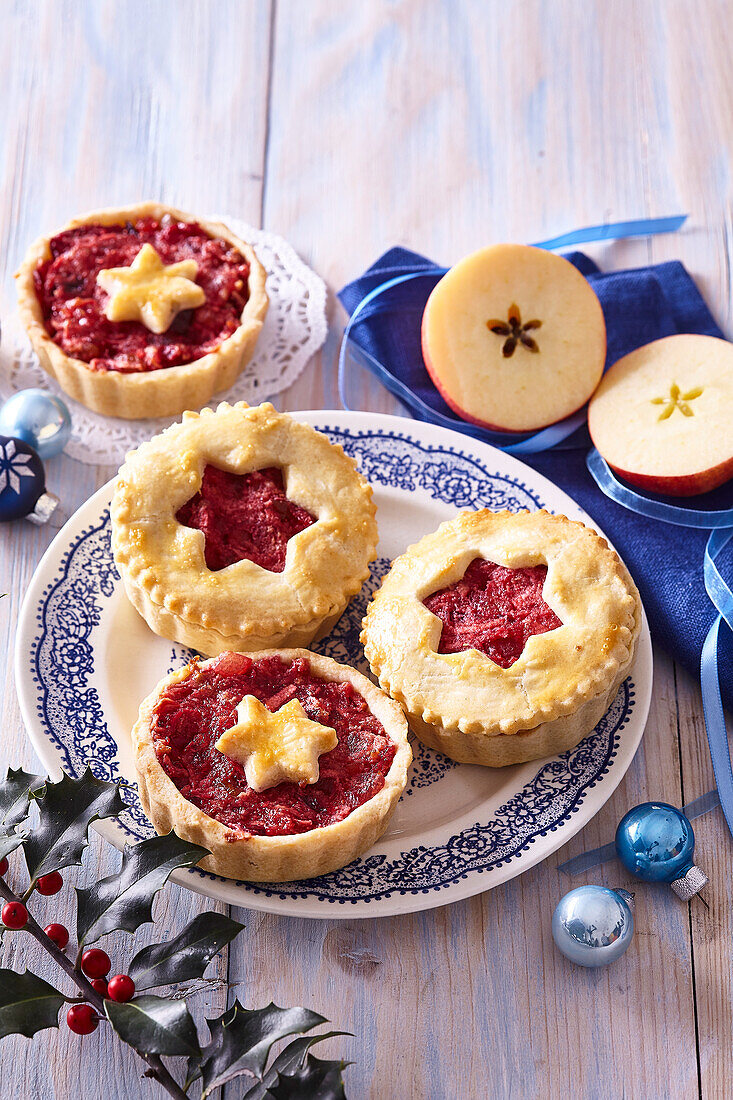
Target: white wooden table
[349, 126]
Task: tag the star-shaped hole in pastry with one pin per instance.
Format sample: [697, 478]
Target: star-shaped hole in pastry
[150, 291]
[279, 747]
[493, 609]
[244, 516]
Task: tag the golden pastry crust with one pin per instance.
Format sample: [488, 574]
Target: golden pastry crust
[275, 858]
[165, 392]
[465, 705]
[244, 606]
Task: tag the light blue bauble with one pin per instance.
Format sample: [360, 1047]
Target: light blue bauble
[593, 925]
[656, 842]
[38, 418]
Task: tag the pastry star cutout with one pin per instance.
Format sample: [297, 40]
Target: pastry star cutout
[149, 291]
[276, 748]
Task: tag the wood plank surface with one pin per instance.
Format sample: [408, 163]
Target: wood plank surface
[348, 127]
[107, 105]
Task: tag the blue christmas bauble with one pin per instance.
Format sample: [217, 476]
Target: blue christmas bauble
[593, 925]
[22, 480]
[656, 843]
[39, 418]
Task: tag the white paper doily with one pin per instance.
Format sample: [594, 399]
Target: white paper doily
[295, 328]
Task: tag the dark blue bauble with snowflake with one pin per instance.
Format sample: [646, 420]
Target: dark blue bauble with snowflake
[22, 483]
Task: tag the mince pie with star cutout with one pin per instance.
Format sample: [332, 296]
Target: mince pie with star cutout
[505, 636]
[241, 529]
[284, 764]
[142, 311]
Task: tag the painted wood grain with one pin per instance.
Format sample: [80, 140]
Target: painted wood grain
[349, 127]
[711, 930]
[107, 103]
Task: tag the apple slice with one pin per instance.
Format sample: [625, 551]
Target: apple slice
[513, 337]
[662, 416]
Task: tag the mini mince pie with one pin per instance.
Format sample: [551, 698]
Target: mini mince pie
[284, 764]
[142, 311]
[504, 635]
[241, 529]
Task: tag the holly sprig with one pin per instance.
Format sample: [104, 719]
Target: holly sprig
[240, 1041]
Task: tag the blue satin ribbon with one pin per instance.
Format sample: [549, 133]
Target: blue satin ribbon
[609, 484]
[615, 231]
[712, 703]
[509, 442]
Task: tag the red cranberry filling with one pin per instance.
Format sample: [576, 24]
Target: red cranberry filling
[494, 610]
[73, 304]
[244, 516]
[192, 714]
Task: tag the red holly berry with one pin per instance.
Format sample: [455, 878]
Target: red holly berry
[95, 963]
[58, 933]
[82, 1019]
[99, 985]
[14, 914]
[4, 865]
[121, 988]
[49, 884]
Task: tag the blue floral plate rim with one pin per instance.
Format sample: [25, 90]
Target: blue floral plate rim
[402, 457]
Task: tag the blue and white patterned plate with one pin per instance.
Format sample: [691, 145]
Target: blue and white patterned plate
[85, 659]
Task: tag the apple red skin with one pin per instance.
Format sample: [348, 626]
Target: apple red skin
[687, 485]
[467, 416]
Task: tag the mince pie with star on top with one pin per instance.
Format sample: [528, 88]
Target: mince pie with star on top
[284, 764]
[142, 311]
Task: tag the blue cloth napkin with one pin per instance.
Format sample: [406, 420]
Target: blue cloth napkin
[639, 305]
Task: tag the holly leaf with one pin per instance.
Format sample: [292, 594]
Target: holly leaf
[316, 1079]
[15, 797]
[123, 900]
[288, 1062]
[10, 842]
[241, 1040]
[27, 1004]
[156, 1025]
[67, 809]
[185, 957]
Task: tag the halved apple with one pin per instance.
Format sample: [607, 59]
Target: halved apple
[513, 337]
[662, 416]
